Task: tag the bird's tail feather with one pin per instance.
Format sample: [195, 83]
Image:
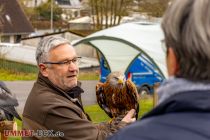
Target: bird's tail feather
[11, 110]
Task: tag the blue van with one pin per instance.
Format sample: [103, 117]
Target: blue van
[141, 71]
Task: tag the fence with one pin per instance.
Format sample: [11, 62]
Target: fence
[17, 67]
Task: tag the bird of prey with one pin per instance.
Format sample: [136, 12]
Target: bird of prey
[7, 104]
[117, 95]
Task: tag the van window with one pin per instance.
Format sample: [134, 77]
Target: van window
[105, 64]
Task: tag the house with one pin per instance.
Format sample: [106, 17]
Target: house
[13, 22]
[33, 3]
[71, 8]
[82, 23]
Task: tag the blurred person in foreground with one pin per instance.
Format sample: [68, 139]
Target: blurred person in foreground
[54, 102]
[183, 110]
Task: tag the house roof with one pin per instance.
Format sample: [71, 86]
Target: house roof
[12, 18]
[81, 33]
[72, 3]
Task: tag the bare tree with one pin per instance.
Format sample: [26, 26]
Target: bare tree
[106, 13]
[153, 8]
[1, 26]
[1, 13]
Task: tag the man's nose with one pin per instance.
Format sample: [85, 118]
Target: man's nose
[73, 67]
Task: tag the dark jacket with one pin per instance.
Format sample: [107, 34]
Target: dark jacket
[184, 116]
[50, 108]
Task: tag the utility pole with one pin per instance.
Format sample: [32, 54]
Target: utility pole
[51, 19]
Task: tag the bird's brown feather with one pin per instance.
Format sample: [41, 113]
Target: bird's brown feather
[115, 101]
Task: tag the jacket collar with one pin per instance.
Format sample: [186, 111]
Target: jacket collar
[193, 101]
[175, 85]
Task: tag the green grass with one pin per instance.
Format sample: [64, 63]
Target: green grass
[11, 71]
[96, 113]
[17, 67]
[88, 76]
[146, 104]
[6, 75]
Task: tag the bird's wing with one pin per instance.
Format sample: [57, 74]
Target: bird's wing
[132, 91]
[4, 87]
[8, 107]
[8, 99]
[10, 113]
[101, 99]
[7, 103]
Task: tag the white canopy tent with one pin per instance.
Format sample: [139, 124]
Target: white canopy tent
[121, 44]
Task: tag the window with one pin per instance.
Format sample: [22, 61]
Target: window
[63, 2]
[5, 38]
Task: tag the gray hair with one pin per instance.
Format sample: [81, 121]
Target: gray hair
[47, 44]
[186, 26]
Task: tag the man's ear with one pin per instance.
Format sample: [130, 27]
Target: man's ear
[172, 63]
[43, 70]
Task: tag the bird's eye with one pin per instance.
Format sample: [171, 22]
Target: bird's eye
[115, 78]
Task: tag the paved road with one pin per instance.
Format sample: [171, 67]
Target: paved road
[22, 88]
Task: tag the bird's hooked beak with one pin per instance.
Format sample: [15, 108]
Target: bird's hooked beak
[121, 82]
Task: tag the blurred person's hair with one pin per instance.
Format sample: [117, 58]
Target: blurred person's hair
[47, 44]
[186, 26]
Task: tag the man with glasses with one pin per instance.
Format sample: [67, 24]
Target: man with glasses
[183, 112]
[53, 109]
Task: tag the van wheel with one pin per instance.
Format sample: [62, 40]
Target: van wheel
[143, 91]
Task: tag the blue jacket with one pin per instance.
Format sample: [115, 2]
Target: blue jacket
[184, 116]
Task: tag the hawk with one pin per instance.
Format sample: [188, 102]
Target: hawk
[7, 104]
[117, 95]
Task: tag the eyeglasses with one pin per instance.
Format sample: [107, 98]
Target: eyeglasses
[75, 60]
